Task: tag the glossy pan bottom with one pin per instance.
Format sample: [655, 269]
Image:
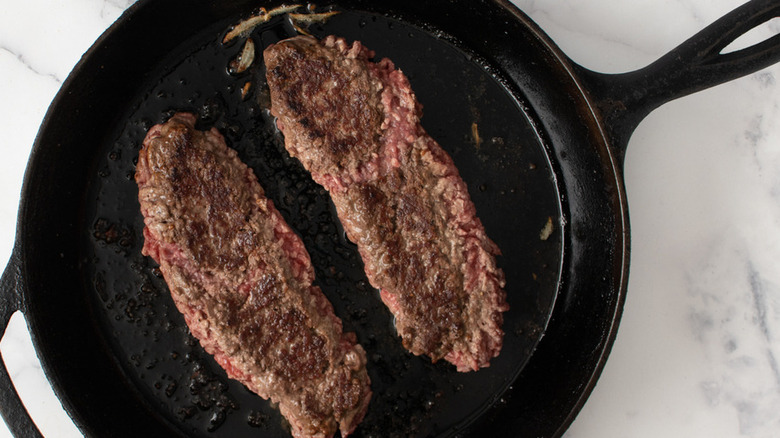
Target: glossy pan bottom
[490, 134]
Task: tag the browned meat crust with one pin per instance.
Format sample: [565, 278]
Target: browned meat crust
[355, 125]
[243, 280]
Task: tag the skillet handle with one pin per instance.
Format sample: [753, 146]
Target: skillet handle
[625, 99]
[11, 407]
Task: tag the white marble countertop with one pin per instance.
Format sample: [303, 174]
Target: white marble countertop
[698, 350]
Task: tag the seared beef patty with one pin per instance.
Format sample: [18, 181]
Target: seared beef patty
[355, 125]
[243, 280]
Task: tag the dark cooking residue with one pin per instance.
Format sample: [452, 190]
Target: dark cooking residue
[113, 234]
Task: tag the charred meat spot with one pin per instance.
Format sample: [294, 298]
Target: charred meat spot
[278, 73]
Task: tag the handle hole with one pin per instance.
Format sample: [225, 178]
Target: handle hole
[754, 36]
[30, 382]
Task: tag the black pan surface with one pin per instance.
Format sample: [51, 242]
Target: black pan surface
[499, 98]
[485, 128]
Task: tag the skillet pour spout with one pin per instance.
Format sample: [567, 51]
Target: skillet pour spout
[555, 135]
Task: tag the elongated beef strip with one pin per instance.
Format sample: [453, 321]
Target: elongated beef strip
[243, 280]
[355, 125]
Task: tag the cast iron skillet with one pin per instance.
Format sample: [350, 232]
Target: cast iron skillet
[539, 139]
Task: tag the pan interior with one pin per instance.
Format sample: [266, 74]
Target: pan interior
[486, 129]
